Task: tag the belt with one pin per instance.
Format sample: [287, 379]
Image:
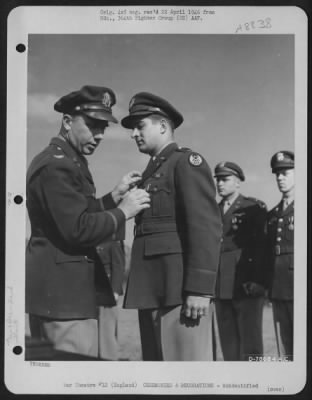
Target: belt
[278, 250]
[154, 227]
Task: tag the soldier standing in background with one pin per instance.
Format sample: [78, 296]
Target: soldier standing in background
[281, 251]
[68, 222]
[241, 279]
[175, 252]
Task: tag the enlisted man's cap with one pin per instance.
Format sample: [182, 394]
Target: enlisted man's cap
[227, 168]
[144, 104]
[282, 160]
[94, 101]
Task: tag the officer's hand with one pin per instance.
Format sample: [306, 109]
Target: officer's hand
[116, 295]
[134, 202]
[253, 289]
[196, 306]
[127, 182]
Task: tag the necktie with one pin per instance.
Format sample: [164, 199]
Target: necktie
[285, 204]
[226, 206]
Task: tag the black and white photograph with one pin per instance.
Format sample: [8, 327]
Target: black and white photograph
[162, 240]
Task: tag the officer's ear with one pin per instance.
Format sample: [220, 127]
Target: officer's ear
[67, 121]
[238, 182]
[163, 125]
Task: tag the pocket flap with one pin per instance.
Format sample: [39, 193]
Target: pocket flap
[67, 258]
[163, 185]
[162, 244]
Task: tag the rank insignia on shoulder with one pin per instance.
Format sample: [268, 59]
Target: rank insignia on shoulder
[195, 159]
[183, 149]
[58, 155]
[257, 201]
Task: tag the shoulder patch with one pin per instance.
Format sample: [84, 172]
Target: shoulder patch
[257, 201]
[195, 159]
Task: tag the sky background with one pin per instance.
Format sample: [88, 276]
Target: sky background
[236, 93]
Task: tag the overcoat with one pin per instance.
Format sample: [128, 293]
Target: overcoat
[177, 240]
[67, 223]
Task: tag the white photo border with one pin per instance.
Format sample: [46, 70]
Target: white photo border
[20, 376]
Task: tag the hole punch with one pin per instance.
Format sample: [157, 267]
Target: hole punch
[20, 48]
[17, 350]
[18, 199]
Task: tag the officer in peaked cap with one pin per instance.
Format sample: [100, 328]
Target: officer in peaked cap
[175, 251]
[94, 101]
[241, 279]
[281, 252]
[229, 168]
[64, 298]
[144, 104]
[283, 160]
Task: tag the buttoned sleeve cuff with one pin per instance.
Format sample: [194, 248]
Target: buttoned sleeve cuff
[107, 202]
[200, 281]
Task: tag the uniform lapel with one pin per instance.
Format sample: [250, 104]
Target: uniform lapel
[221, 208]
[153, 166]
[234, 206]
[287, 210]
[78, 159]
[278, 209]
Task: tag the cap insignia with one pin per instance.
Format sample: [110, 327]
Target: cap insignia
[195, 159]
[221, 164]
[280, 156]
[106, 100]
[132, 101]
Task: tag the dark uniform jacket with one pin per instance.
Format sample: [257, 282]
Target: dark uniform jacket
[67, 223]
[177, 241]
[281, 251]
[243, 248]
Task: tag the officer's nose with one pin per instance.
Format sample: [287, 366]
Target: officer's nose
[99, 135]
[135, 133]
[98, 132]
[279, 176]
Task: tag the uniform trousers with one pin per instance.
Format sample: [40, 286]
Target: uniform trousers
[239, 326]
[167, 335]
[283, 311]
[87, 337]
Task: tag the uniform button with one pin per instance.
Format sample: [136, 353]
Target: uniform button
[279, 229]
[279, 239]
[249, 259]
[221, 240]
[280, 220]
[49, 312]
[155, 189]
